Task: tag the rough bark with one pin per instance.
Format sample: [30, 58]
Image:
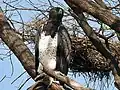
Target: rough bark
[101, 3]
[96, 11]
[17, 46]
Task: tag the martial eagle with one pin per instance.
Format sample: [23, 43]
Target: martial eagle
[53, 45]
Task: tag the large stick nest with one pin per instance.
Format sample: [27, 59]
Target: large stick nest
[87, 59]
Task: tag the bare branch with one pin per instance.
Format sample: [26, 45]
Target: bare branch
[16, 45]
[95, 10]
[63, 78]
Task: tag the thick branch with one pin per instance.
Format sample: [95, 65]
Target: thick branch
[17, 46]
[95, 10]
[101, 3]
[40, 86]
[63, 78]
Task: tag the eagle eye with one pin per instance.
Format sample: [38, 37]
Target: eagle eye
[60, 11]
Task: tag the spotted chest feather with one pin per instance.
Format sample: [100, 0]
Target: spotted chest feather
[47, 50]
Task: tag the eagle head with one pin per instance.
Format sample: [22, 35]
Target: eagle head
[54, 21]
[56, 14]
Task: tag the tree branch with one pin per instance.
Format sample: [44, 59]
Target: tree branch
[17, 46]
[96, 11]
[63, 78]
[101, 3]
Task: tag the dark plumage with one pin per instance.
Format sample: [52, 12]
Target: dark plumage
[53, 44]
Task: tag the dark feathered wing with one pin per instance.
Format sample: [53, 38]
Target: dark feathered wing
[63, 50]
[37, 37]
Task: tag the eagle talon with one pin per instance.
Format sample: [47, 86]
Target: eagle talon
[52, 81]
[56, 82]
[49, 85]
[39, 77]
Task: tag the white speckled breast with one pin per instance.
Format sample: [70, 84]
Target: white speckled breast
[47, 51]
